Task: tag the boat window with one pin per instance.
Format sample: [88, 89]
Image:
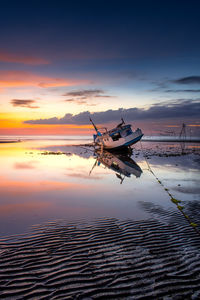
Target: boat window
[128, 132]
[116, 136]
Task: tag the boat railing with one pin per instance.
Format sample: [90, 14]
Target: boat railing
[103, 129]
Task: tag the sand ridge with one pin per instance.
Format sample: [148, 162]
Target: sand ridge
[104, 259]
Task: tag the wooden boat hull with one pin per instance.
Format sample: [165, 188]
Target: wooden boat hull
[125, 143]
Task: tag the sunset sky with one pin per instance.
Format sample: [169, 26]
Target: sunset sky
[63, 60]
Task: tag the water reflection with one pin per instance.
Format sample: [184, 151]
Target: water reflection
[119, 162]
[36, 188]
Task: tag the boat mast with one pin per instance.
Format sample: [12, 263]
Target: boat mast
[94, 125]
[119, 125]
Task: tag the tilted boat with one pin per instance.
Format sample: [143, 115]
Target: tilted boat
[119, 137]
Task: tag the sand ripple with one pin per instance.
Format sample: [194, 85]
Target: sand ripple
[103, 259]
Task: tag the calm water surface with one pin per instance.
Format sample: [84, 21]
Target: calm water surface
[39, 186]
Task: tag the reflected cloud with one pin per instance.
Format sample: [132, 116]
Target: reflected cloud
[188, 190]
[84, 176]
[25, 165]
[25, 207]
[27, 188]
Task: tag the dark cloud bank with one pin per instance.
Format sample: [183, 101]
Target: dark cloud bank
[182, 109]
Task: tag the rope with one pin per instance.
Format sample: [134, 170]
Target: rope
[173, 200]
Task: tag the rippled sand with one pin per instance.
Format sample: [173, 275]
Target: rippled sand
[104, 259]
[149, 251]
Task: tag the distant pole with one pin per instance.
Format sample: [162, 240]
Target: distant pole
[183, 132]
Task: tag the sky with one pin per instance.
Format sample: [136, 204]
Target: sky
[63, 61]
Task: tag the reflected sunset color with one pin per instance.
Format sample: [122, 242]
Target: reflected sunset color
[45, 180]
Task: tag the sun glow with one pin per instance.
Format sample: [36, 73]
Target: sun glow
[12, 123]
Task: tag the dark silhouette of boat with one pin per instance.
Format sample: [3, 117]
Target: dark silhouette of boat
[119, 162]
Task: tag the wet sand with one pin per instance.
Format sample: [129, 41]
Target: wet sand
[105, 259]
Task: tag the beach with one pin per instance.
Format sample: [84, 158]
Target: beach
[74, 225]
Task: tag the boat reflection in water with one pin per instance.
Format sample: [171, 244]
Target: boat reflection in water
[120, 162]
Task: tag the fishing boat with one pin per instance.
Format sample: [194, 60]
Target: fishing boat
[122, 136]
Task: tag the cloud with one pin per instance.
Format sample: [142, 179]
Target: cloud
[23, 78]
[86, 93]
[80, 101]
[69, 100]
[166, 87]
[177, 109]
[24, 59]
[23, 103]
[182, 91]
[80, 96]
[187, 80]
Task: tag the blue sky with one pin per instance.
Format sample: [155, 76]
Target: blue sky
[135, 52]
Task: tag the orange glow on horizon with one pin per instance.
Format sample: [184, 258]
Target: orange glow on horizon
[194, 125]
[179, 126]
[13, 124]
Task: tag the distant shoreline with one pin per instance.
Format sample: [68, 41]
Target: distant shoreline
[144, 139]
[168, 139]
[5, 141]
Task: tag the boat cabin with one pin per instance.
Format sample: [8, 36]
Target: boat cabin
[121, 132]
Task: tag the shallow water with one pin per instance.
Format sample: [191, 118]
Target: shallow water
[39, 186]
[79, 224]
